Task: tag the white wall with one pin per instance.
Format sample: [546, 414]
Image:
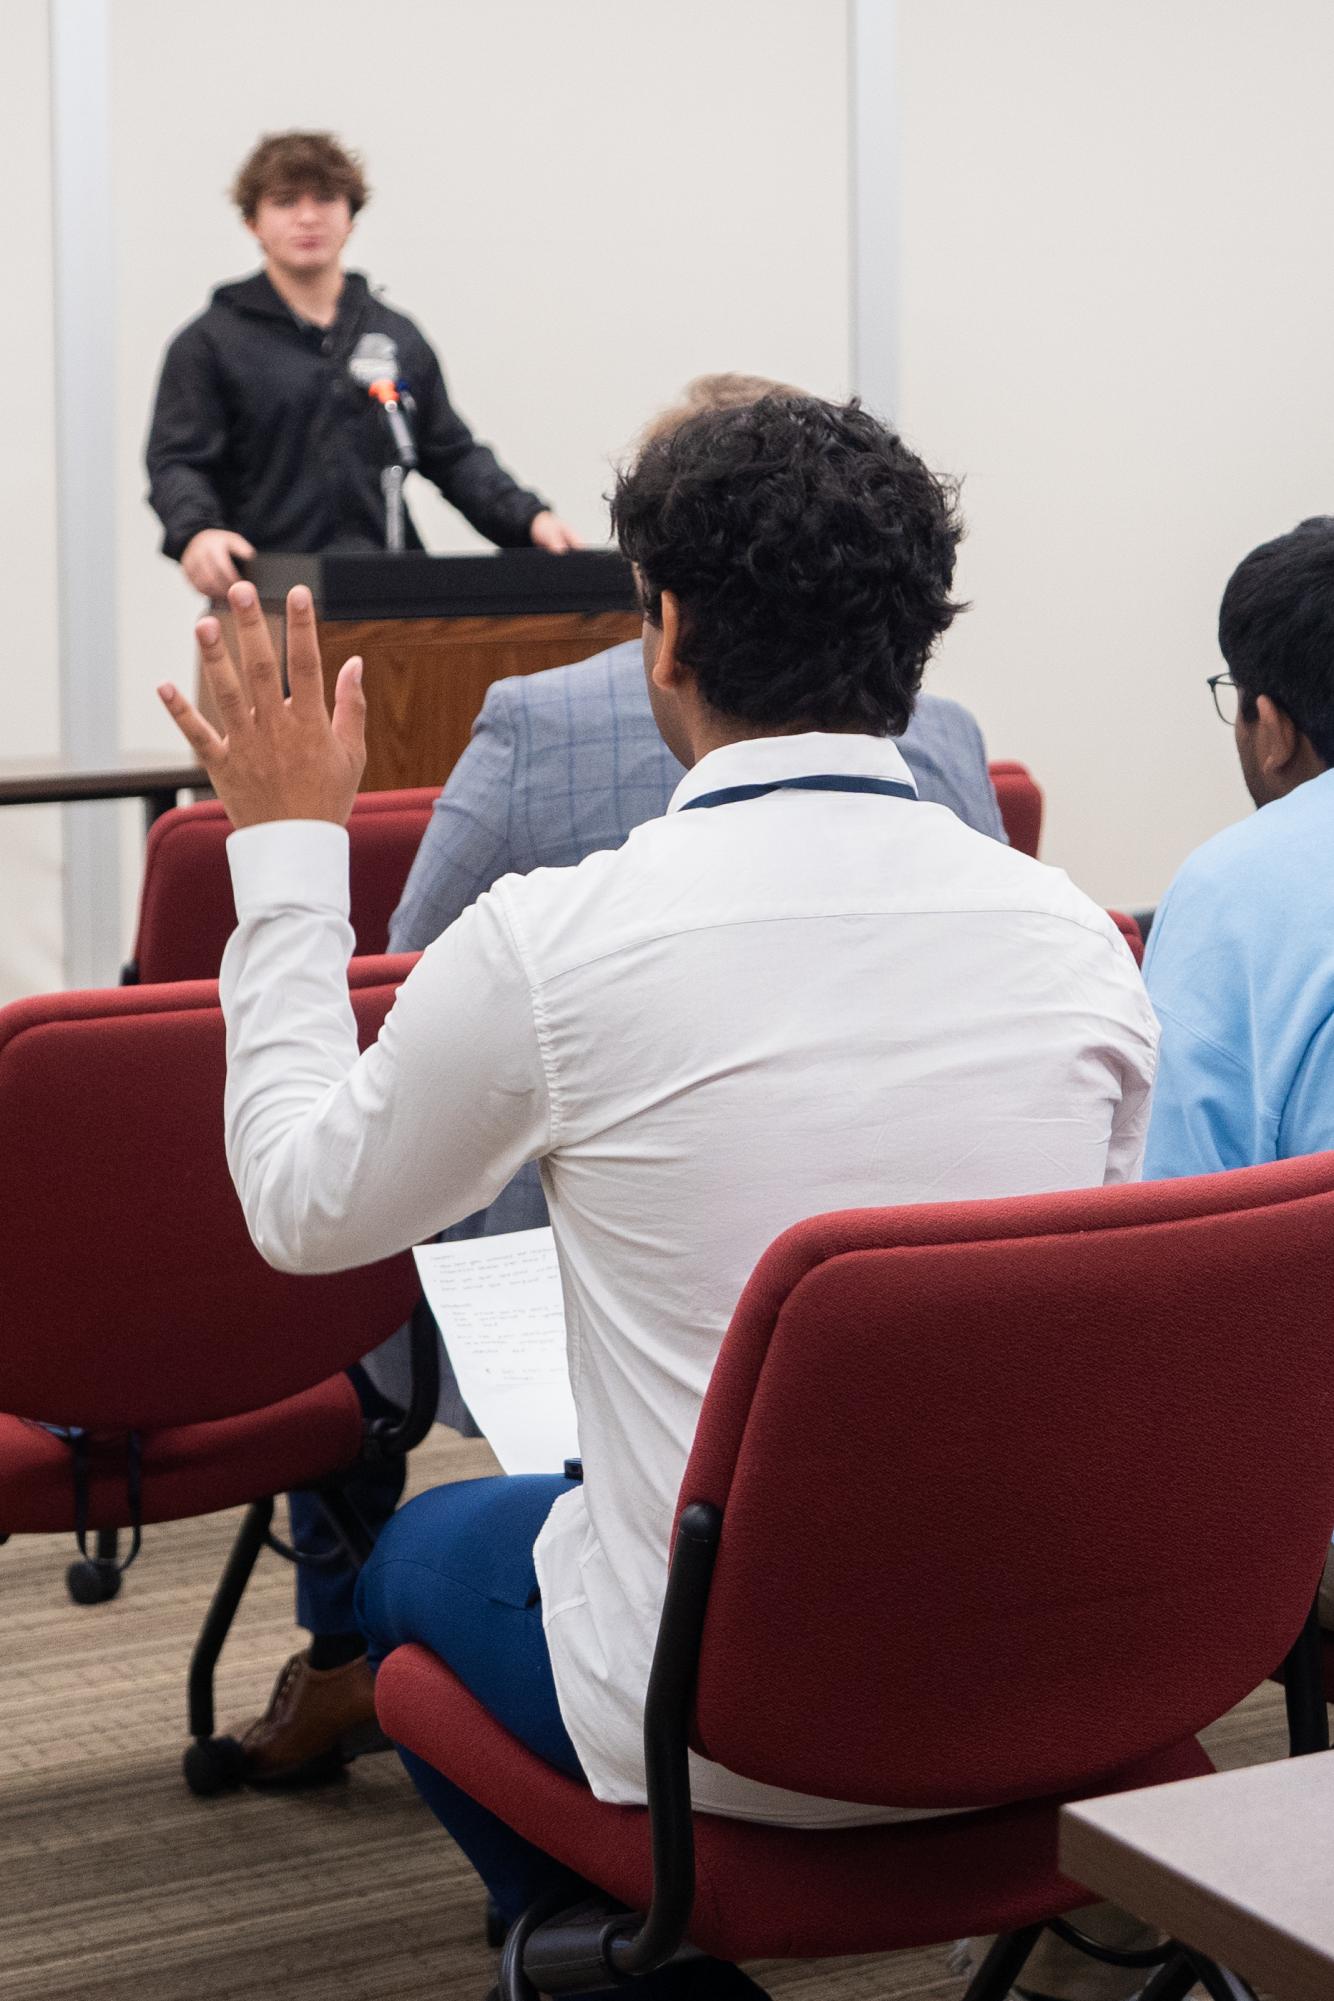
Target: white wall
[1117, 289]
[29, 671]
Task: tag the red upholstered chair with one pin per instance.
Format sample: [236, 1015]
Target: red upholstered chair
[991, 1505]
[1130, 931]
[185, 905]
[1020, 801]
[135, 1304]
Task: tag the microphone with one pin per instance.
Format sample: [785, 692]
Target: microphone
[373, 366]
[385, 393]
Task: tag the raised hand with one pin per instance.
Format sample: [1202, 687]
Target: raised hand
[280, 758]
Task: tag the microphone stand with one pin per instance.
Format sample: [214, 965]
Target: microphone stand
[385, 394]
[391, 485]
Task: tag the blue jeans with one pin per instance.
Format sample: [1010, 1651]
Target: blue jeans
[454, 1570]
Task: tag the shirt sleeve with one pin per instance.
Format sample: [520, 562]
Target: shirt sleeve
[1138, 1046]
[187, 441]
[1130, 1125]
[469, 474]
[467, 845]
[340, 1159]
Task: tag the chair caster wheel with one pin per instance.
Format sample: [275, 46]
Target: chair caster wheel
[213, 1765]
[92, 1580]
[496, 1927]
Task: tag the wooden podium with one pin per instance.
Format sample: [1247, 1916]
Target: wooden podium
[436, 631]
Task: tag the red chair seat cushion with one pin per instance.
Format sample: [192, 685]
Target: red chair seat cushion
[188, 1469]
[762, 1892]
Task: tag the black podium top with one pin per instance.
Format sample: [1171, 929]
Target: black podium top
[511, 583]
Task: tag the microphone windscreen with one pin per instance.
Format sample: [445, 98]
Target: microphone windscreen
[374, 357]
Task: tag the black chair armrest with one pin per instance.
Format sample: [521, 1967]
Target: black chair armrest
[1302, 1675]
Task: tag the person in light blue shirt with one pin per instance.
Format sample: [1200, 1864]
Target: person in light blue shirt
[1240, 963]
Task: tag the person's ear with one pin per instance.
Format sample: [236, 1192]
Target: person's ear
[1278, 741]
[667, 670]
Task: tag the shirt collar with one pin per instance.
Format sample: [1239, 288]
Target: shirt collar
[762, 760]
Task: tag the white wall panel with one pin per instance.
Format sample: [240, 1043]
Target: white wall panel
[1116, 294]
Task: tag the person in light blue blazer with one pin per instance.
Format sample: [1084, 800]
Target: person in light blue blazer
[567, 762]
[561, 765]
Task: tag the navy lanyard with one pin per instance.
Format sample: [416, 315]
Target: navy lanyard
[819, 781]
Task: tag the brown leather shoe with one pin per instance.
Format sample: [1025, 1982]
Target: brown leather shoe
[317, 1721]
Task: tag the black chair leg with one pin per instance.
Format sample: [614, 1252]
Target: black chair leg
[94, 1580]
[1172, 1982]
[1217, 1982]
[214, 1764]
[1003, 1965]
[1304, 1690]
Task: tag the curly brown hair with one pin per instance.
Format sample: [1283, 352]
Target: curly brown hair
[810, 551]
[291, 162]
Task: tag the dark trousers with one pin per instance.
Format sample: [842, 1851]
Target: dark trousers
[454, 1570]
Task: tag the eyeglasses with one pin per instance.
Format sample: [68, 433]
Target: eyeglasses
[1227, 697]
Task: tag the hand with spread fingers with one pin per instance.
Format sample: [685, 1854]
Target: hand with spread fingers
[282, 758]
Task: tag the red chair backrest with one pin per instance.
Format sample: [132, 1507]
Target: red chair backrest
[1015, 1492]
[1020, 800]
[1131, 932]
[186, 913]
[130, 1291]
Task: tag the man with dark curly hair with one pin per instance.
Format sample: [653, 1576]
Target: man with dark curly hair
[264, 434]
[802, 988]
[561, 764]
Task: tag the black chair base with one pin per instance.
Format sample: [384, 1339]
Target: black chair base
[213, 1765]
[91, 1580]
[95, 1580]
[1178, 1967]
[559, 1950]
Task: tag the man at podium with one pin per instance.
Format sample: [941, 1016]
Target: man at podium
[281, 406]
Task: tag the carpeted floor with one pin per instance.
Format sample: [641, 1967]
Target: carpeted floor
[117, 1885]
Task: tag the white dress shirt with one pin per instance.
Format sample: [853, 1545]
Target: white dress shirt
[749, 1014]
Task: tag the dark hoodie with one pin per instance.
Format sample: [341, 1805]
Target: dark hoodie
[259, 427]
